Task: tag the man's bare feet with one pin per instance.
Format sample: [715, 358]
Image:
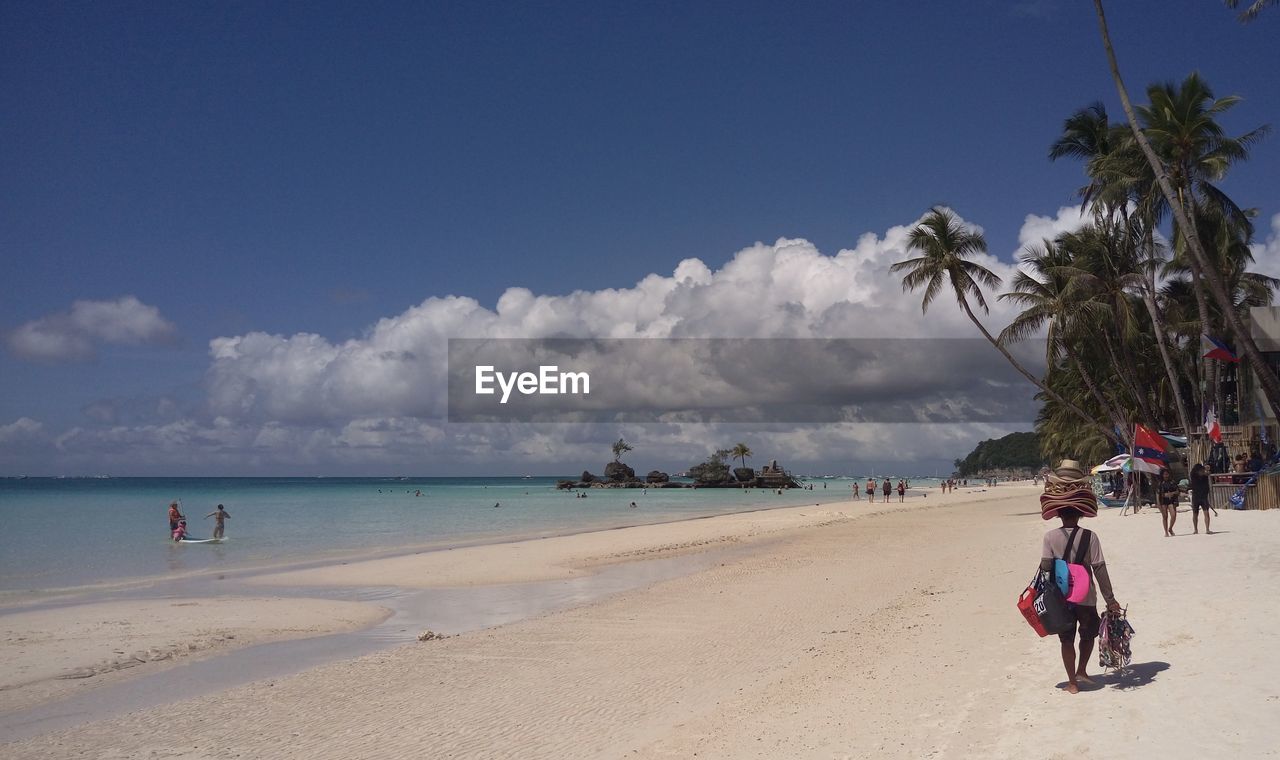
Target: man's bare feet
[1086, 679]
[1072, 688]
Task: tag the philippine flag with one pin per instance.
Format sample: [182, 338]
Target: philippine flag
[1212, 348]
[1212, 428]
[1150, 447]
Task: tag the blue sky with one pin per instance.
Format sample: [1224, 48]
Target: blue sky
[315, 167]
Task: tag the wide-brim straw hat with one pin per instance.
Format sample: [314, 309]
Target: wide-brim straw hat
[1068, 487]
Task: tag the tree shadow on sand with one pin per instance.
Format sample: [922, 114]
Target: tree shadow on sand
[1133, 676]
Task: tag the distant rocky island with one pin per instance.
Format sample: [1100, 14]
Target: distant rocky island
[714, 472]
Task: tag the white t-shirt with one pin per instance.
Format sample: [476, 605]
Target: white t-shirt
[1055, 544]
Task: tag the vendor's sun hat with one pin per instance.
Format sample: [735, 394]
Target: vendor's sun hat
[1068, 487]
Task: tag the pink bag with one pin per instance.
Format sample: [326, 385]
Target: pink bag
[1078, 583]
[1073, 578]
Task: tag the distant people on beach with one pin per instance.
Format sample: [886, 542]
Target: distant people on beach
[1068, 496]
[180, 531]
[902, 490]
[887, 488]
[857, 492]
[220, 517]
[1199, 483]
[871, 490]
[175, 515]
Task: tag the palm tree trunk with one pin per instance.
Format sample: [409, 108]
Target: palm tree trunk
[1112, 411]
[1209, 369]
[1082, 414]
[1266, 376]
[1124, 371]
[1158, 322]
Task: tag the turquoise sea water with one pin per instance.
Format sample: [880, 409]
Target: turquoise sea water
[63, 532]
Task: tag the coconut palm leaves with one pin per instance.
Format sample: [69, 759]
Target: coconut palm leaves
[1181, 196]
[1251, 10]
[946, 247]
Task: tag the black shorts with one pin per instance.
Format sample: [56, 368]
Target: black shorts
[1088, 622]
[1199, 503]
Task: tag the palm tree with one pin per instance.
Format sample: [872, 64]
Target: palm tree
[1181, 124]
[946, 246]
[1043, 288]
[619, 448]
[1089, 135]
[1264, 373]
[741, 451]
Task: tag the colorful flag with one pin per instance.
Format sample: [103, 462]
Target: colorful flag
[1149, 446]
[1212, 348]
[1174, 441]
[1211, 426]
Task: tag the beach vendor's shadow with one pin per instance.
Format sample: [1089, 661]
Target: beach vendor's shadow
[1133, 676]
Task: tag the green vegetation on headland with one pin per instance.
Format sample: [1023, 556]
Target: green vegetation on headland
[1015, 453]
[1123, 301]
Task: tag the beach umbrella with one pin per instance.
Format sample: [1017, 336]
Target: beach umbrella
[1126, 463]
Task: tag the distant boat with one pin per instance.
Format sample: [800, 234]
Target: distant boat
[526, 477]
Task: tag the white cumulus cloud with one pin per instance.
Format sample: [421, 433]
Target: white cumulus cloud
[305, 403]
[73, 335]
[1266, 255]
[787, 289]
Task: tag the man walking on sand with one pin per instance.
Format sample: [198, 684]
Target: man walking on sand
[1068, 495]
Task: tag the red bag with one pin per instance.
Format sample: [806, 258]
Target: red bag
[1044, 606]
[1027, 606]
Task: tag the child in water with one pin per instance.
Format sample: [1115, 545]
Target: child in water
[180, 532]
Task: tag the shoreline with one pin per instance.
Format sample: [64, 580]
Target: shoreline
[592, 553]
[891, 635]
[521, 562]
[20, 599]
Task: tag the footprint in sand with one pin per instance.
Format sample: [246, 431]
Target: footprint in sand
[1181, 638]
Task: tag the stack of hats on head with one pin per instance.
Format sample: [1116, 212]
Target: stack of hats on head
[1068, 487]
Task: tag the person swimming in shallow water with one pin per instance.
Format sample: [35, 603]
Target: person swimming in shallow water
[174, 516]
[220, 517]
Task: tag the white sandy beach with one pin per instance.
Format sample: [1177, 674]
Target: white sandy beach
[837, 631]
[51, 653]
